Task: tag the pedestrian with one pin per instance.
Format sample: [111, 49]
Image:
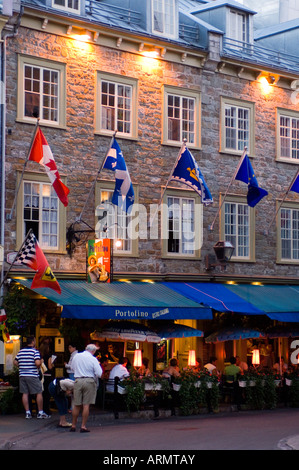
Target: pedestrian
[48, 369]
[28, 361]
[87, 371]
[68, 365]
[61, 398]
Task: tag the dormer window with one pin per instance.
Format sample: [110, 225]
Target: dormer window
[67, 5]
[164, 18]
[237, 26]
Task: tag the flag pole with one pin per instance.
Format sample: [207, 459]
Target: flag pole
[9, 216]
[99, 171]
[169, 179]
[7, 273]
[266, 232]
[211, 227]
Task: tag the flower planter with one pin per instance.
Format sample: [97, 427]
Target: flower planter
[252, 383]
[176, 387]
[197, 384]
[277, 383]
[121, 390]
[148, 387]
[242, 383]
[288, 382]
[209, 384]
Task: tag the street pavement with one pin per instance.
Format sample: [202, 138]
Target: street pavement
[15, 429]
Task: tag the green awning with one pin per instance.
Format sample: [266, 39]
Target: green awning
[122, 300]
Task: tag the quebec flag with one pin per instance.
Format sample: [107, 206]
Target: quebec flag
[187, 171]
[295, 185]
[123, 195]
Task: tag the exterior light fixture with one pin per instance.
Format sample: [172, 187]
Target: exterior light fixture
[191, 358]
[137, 358]
[256, 357]
[223, 253]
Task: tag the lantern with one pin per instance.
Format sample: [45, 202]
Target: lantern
[137, 358]
[255, 357]
[191, 358]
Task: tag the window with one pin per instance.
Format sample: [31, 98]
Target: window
[68, 5]
[181, 117]
[39, 209]
[164, 18]
[237, 227]
[237, 28]
[289, 233]
[41, 91]
[117, 224]
[288, 135]
[237, 126]
[116, 105]
[182, 224]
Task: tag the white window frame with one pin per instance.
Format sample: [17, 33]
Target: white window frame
[242, 211]
[227, 104]
[182, 195]
[185, 125]
[41, 180]
[288, 230]
[164, 11]
[118, 221]
[286, 122]
[42, 65]
[66, 6]
[118, 81]
[237, 26]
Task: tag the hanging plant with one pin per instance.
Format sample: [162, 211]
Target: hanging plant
[20, 310]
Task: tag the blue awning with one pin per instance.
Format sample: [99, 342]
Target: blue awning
[122, 300]
[279, 302]
[217, 296]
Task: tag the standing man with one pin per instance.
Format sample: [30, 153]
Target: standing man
[28, 361]
[87, 370]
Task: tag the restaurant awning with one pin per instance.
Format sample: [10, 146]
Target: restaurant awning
[215, 295]
[279, 302]
[122, 301]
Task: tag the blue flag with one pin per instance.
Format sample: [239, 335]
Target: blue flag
[295, 185]
[246, 174]
[123, 195]
[187, 171]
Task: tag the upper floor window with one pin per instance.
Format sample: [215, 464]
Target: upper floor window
[237, 126]
[38, 208]
[116, 224]
[164, 17]
[181, 116]
[237, 227]
[116, 105]
[237, 26]
[41, 91]
[68, 5]
[288, 135]
[288, 238]
[181, 224]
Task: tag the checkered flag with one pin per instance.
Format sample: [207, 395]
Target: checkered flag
[27, 253]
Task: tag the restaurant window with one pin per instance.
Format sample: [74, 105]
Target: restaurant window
[237, 126]
[41, 91]
[181, 117]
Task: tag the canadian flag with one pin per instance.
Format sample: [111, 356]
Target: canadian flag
[41, 153]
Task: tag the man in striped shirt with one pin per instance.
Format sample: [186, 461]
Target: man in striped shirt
[28, 361]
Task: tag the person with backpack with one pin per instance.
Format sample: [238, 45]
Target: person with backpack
[60, 389]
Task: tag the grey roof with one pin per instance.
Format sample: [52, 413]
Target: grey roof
[221, 3]
[276, 29]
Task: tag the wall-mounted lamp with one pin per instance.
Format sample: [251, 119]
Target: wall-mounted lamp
[223, 253]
